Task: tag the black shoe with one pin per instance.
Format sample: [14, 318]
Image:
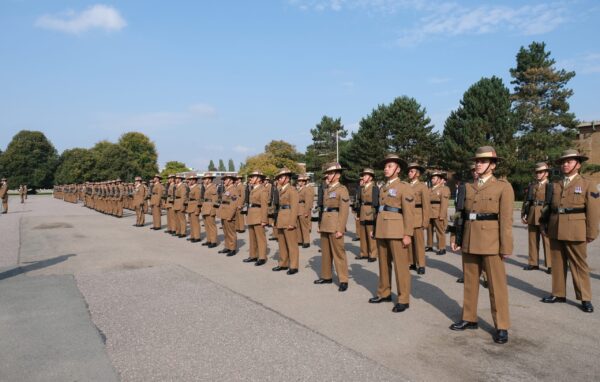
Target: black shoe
[167, 231]
[250, 260]
[299, 244]
[360, 258]
[462, 325]
[485, 284]
[212, 245]
[501, 336]
[428, 249]
[421, 271]
[549, 270]
[206, 243]
[356, 239]
[232, 253]
[279, 268]
[194, 240]
[305, 245]
[460, 280]
[587, 306]
[343, 287]
[372, 259]
[530, 267]
[272, 238]
[260, 262]
[441, 252]
[412, 267]
[323, 281]
[224, 251]
[377, 299]
[552, 299]
[291, 271]
[398, 308]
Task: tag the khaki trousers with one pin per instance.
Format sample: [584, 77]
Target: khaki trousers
[230, 234]
[575, 253]
[211, 228]
[497, 286]
[368, 245]
[4, 206]
[181, 228]
[194, 226]
[258, 242]
[440, 232]
[171, 219]
[390, 250]
[156, 216]
[140, 218]
[240, 224]
[120, 208]
[303, 229]
[535, 236]
[289, 254]
[416, 249]
[332, 250]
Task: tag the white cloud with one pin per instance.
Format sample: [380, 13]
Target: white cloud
[97, 16]
[438, 80]
[588, 63]
[203, 109]
[242, 149]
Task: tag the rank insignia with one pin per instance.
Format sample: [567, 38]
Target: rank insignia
[409, 199]
[595, 195]
[332, 195]
[578, 190]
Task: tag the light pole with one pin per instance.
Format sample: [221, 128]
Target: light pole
[337, 145]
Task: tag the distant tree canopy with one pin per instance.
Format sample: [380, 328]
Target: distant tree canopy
[211, 166]
[142, 152]
[323, 148]
[278, 154]
[173, 167]
[75, 166]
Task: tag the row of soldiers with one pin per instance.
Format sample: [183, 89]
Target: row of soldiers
[391, 220]
[4, 194]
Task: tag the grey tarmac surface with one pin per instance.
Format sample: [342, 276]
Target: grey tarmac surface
[146, 292]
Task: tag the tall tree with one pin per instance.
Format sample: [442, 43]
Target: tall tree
[222, 165]
[325, 136]
[114, 161]
[278, 154]
[484, 117]
[211, 166]
[30, 158]
[75, 166]
[142, 151]
[173, 167]
[230, 166]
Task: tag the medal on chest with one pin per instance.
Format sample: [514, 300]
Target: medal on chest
[392, 192]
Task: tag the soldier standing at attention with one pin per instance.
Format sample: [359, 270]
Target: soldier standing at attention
[4, 195]
[193, 208]
[139, 195]
[438, 213]
[531, 214]
[356, 210]
[22, 193]
[286, 224]
[394, 228]
[209, 209]
[240, 225]
[421, 218]
[487, 240]
[227, 212]
[336, 207]
[120, 196]
[572, 224]
[179, 206]
[155, 202]
[306, 196]
[257, 219]
[369, 201]
[168, 198]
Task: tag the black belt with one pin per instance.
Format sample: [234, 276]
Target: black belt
[225, 202]
[285, 207]
[467, 216]
[331, 209]
[390, 209]
[301, 202]
[178, 197]
[253, 205]
[435, 202]
[568, 210]
[538, 202]
[367, 222]
[206, 200]
[366, 204]
[418, 206]
[193, 200]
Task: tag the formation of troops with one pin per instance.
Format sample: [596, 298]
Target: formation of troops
[391, 218]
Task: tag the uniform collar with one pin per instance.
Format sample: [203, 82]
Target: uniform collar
[389, 182]
[333, 185]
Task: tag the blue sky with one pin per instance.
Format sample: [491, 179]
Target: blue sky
[219, 79]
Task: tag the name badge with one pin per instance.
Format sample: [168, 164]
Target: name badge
[578, 190]
[472, 216]
[332, 195]
[392, 192]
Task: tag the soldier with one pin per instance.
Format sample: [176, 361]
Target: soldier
[210, 203]
[438, 213]
[531, 214]
[286, 224]
[336, 207]
[356, 210]
[179, 206]
[120, 193]
[193, 208]
[240, 225]
[4, 195]
[22, 193]
[156, 194]
[394, 229]
[487, 240]
[168, 198]
[421, 218]
[572, 224]
[306, 196]
[139, 196]
[368, 204]
[257, 219]
[227, 212]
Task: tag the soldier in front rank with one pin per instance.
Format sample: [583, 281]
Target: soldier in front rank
[438, 213]
[572, 224]
[156, 201]
[286, 223]
[257, 219]
[4, 195]
[306, 196]
[486, 241]
[179, 206]
[227, 212]
[210, 203]
[356, 210]
[336, 207]
[393, 231]
[421, 218]
[120, 195]
[139, 195]
[368, 204]
[240, 225]
[538, 194]
[168, 203]
[193, 208]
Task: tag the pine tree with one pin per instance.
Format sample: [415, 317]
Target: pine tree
[222, 165]
[230, 166]
[323, 148]
[211, 166]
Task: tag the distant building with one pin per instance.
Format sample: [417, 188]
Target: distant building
[588, 142]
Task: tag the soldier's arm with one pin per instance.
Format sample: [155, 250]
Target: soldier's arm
[592, 204]
[294, 205]
[344, 211]
[408, 212]
[505, 219]
[264, 207]
[425, 206]
[444, 203]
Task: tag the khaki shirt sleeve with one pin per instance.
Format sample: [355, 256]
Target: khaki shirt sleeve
[507, 200]
[445, 197]
[426, 206]
[408, 211]
[294, 206]
[344, 210]
[264, 206]
[592, 204]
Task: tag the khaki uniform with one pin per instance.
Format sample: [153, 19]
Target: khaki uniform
[155, 203]
[306, 196]
[367, 214]
[4, 197]
[568, 231]
[289, 255]
[438, 215]
[227, 212]
[421, 220]
[240, 224]
[179, 206]
[258, 215]
[487, 234]
[22, 193]
[394, 221]
[336, 200]
[193, 211]
[534, 230]
[139, 196]
[169, 198]
[209, 211]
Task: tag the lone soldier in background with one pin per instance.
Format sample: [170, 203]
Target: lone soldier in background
[240, 225]
[394, 228]
[369, 202]
[209, 209]
[193, 208]
[22, 192]
[25, 191]
[155, 202]
[306, 196]
[257, 219]
[421, 218]
[538, 194]
[573, 223]
[4, 195]
[168, 199]
[336, 207]
[487, 240]
[227, 212]
[438, 213]
[139, 195]
[179, 205]
[356, 209]
[286, 224]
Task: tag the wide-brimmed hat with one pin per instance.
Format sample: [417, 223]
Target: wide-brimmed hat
[417, 166]
[257, 173]
[439, 173]
[229, 176]
[193, 176]
[367, 170]
[208, 175]
[179, 176]
[137, 178]
[158, 176]
[333, 167]
[171, 176]
[238, 176]
[3, 180]
[472, 166]
[571, 154]
[283, 171]
[486, 152]
[118, 180]
[303, 177]
[541, 166]
[393, 158]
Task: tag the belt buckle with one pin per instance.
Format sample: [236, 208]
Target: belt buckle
[562, 210]
[472, 216]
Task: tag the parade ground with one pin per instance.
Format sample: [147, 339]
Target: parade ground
[89, 297]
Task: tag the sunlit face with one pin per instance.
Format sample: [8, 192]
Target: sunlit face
[391, 169]
[413, 174]
[570, 166]
[227, 181]
[366, 178]
[332, 177]
[283, 180]
[484, 166]
[541, 175]
[435, 180]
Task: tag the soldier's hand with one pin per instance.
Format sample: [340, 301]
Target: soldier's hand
[524, 220]
[338, 234]
[264, 224]
[455, 248]
[589, 239]
[504, 256]
[406, 240]
[290, 227]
